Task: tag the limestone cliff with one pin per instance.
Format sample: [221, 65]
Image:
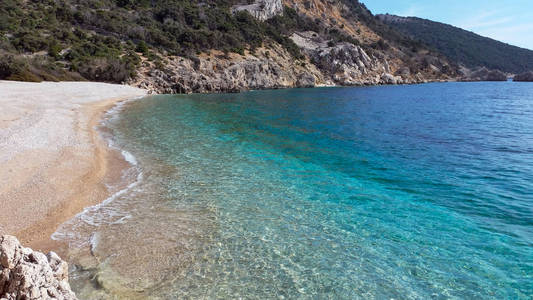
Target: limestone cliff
[219, 72]
[262, 9]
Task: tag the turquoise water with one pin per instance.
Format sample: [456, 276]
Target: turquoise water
[404, 192]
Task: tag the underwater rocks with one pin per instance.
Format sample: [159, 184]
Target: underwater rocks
[28, 274]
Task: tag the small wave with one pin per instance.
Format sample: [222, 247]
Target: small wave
[93, 215]
[129, 157]
[114, 112]
[95, 238]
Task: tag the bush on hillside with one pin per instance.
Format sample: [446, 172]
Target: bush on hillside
[106, 69]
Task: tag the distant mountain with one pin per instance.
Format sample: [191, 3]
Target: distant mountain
[463, 47]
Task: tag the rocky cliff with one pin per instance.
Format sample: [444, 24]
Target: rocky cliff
[262, 9]
[343, 64]
[528, 76]
[27, 274]
[483, 74]
[348, 64]
[218, 72]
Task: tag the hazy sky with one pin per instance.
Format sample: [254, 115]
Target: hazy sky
[509, 21]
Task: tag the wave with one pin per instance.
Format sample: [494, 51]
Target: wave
[99, 214]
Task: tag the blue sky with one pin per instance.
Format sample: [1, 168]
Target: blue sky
[510, 21]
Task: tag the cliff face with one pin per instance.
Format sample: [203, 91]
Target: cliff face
[262, 9]
[483, 74]
[342, 64]
[217, 72]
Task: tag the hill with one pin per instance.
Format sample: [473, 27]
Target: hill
[463, 47]
[210, 46]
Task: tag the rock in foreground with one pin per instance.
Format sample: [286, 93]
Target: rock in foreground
[528, 76]
[28, 274]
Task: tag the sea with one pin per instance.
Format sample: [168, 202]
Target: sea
[387, 192]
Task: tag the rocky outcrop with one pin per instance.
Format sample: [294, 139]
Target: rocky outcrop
[262, 9]
[528, 76]
[484, 74]
[324, 63]
[346, 63]
[27, 274]
[218, 72]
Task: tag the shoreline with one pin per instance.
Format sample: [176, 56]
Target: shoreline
[59, 177]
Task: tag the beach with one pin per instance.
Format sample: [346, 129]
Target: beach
[54, 162]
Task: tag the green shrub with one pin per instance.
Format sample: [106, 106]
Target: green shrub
[10, 66]
[142, 48]
[102, 36]
[105, 69]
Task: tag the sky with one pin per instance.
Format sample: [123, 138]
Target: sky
[509, 21]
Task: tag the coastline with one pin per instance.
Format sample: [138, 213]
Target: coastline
[56, 162]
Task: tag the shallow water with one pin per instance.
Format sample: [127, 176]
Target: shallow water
[402, 192]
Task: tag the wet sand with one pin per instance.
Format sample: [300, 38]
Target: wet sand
[53, 162]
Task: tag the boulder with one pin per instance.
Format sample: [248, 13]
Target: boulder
[387, 78]
[28, 274]
[528, 76]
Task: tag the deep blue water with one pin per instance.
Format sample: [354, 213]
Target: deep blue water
[405, 192]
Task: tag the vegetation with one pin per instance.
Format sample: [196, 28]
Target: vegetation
[464, 47]
[99, 40]
[106, 40]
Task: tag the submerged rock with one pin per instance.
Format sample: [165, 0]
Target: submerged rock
[28, 274]
[528, 76]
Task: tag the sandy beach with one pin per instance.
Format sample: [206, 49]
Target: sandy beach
[53, 161]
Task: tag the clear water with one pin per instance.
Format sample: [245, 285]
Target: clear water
[405, 192]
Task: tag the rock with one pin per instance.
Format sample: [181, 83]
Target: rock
[218, 72]
[10, 252]
[27, 274]
[528, 76]
[262, 9]
[388, 79]
[306, 80]
[322, 62]
[404, 72]
[496, 75]
[483, 74]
